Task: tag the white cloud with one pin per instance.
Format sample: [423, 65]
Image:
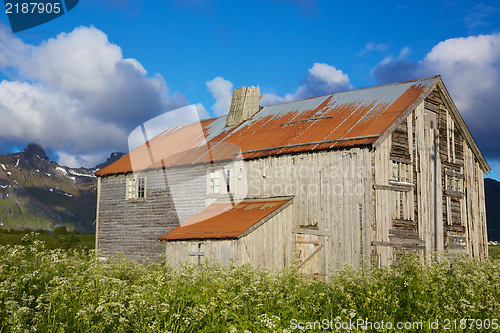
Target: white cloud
[470, 69]
[76, 161]
[202, 112]
[322, 79]
[222, 91]
[76, 94]
[478, 14]
[371, 46]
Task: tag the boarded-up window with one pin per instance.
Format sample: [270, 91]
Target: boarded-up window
[196, 253]
[400, 172]
[454, 182]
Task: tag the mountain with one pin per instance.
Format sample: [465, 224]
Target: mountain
[36, 193]
[492, 196]
[111, 159]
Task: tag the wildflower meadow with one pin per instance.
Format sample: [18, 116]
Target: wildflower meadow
[58, 290]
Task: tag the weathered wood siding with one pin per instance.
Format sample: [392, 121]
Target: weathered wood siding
[132, 226]
[441, 206]
[463, 208]
[333, 196]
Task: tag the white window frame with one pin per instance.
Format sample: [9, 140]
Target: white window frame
[134, 190]
[214, 182]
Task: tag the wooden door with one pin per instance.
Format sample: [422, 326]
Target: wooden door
[309, 251]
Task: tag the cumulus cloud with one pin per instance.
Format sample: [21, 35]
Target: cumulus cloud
[222, 91]
[470, 68]
[76, 94]
[322, 79]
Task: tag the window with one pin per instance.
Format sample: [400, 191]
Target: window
[400, 172]
[131, 188]
[454, 182]
[136, 187]
[141, 187]
[228, 181]
[214, 182]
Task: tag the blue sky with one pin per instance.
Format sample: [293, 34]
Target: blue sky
[80, 84]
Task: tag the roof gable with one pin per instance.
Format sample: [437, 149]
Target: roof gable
[455, 114]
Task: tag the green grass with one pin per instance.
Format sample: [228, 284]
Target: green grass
[494, 251]
[52, 240]
[69, 291]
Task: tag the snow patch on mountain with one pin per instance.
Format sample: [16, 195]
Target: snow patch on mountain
[73, 172]
[61, 170]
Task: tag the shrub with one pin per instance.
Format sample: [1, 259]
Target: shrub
[69, 291]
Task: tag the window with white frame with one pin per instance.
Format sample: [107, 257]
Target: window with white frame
[136, 187]
[228, 181]
[214, 182]
[400, 172]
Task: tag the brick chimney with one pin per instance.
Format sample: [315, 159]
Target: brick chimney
[244, 105]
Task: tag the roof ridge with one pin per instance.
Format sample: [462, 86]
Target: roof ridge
[359, 89]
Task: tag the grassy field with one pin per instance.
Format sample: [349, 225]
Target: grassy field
[494, 251]
[69, 291]
[60, 239]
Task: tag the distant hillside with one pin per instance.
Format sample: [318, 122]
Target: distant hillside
[36, 193]
[492, 194]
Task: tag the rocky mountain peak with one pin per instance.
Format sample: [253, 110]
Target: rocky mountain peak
[33, 150]
[115, 156]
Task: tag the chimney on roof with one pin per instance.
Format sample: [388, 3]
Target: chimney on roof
[244, 105]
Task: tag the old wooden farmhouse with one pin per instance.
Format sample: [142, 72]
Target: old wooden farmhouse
[349, 177]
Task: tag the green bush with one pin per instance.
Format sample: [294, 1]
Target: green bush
[61, 230]
[69, 291]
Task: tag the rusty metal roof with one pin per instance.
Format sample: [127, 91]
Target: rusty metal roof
[225, 220]
[340, 120]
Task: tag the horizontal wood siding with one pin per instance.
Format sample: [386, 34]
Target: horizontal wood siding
[132, 226]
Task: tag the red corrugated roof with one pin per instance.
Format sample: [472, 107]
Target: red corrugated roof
[222, 220]
[347, 119]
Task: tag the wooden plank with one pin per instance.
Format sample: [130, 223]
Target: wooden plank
[392, 188]
[311, 232]
[398, 245]
[402, 160]
[403, 233]
[454, 193]
[97, 214]
[406, 240]
[455, 174]
[409, 223]
[431, 106]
